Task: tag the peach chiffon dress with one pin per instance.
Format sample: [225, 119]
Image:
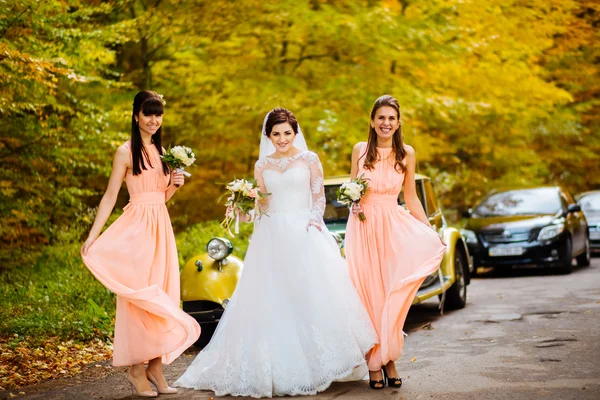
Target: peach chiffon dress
[388, 255]
[136, 258]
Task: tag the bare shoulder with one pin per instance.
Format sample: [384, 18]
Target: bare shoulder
[358, 146]
[123, 150]
[123, 154]
[357, 149]
[410, 151]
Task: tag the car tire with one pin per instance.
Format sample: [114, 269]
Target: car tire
[567, 264]
[456, 296]
[584, 259]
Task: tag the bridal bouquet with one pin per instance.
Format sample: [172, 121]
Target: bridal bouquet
[351, 192]
[243, 198]
[179, 157]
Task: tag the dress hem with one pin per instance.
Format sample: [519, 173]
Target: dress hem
[319, 389]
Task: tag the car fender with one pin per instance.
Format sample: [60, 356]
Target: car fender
[454, 242]
[203, 278]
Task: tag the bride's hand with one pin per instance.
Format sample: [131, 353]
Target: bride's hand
[244, 217]
[314, 224]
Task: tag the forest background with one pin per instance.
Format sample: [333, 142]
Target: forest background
[493, 93]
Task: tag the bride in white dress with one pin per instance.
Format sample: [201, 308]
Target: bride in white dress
[295, 323]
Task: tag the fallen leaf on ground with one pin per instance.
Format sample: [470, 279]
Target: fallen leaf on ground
[413, 359]
[28, 363]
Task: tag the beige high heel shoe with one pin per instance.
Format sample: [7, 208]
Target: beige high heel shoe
[136, 392]
[162, 390]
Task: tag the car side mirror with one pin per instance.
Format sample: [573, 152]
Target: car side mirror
[468, 213]
[573, 208]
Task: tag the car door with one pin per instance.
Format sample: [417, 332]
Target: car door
[432, 209]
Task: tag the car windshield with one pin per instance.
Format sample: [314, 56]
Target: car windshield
[590, 202]
[590, 205]
[334, 211]
[520, 202]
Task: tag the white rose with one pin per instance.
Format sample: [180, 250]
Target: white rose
[189, 158]
[236, 185]
[353, 190]
[179, 152]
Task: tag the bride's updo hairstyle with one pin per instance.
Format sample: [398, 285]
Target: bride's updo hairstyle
[279, 116]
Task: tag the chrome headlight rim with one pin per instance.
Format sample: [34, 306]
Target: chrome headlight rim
[225, 303]
[550, 232]
[219, 248]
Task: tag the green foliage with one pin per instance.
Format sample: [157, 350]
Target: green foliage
[492, 92]
[55, 137]
[55, 296]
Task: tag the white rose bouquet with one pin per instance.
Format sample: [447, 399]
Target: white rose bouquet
[179, 157]
[351, 192]
[243, 198]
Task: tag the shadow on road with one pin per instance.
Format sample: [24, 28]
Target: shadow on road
[421, 316]
[521, 271]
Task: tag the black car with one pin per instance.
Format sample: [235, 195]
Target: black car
[541, 226]
[590, 205]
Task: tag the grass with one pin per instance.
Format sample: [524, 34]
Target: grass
[56, 296]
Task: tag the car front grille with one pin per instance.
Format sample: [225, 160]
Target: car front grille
[506, 237]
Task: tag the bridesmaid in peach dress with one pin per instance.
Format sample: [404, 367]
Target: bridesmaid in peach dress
[394, 250]
[136, 257]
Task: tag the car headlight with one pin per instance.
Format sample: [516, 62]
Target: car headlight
[469, 236]
[551, 231]
[219, 248]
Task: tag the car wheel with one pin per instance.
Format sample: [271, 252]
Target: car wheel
[583, 260]
[567, 264]
[456, 296]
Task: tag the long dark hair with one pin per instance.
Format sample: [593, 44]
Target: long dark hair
[397, 139]
[279, 116]
[149, 103]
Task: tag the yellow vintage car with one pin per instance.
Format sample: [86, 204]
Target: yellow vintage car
[208, 280]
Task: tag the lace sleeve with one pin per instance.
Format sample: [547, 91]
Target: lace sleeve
[317, 189]
[258, 169]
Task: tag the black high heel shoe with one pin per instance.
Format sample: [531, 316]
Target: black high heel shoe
[372, 383]
[391, 382]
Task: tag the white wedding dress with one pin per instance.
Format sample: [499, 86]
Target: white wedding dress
[295, 323]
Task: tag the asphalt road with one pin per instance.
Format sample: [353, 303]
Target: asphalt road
[525, 334]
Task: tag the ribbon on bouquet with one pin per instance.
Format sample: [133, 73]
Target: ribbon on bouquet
[252, 218]
[183, 171]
